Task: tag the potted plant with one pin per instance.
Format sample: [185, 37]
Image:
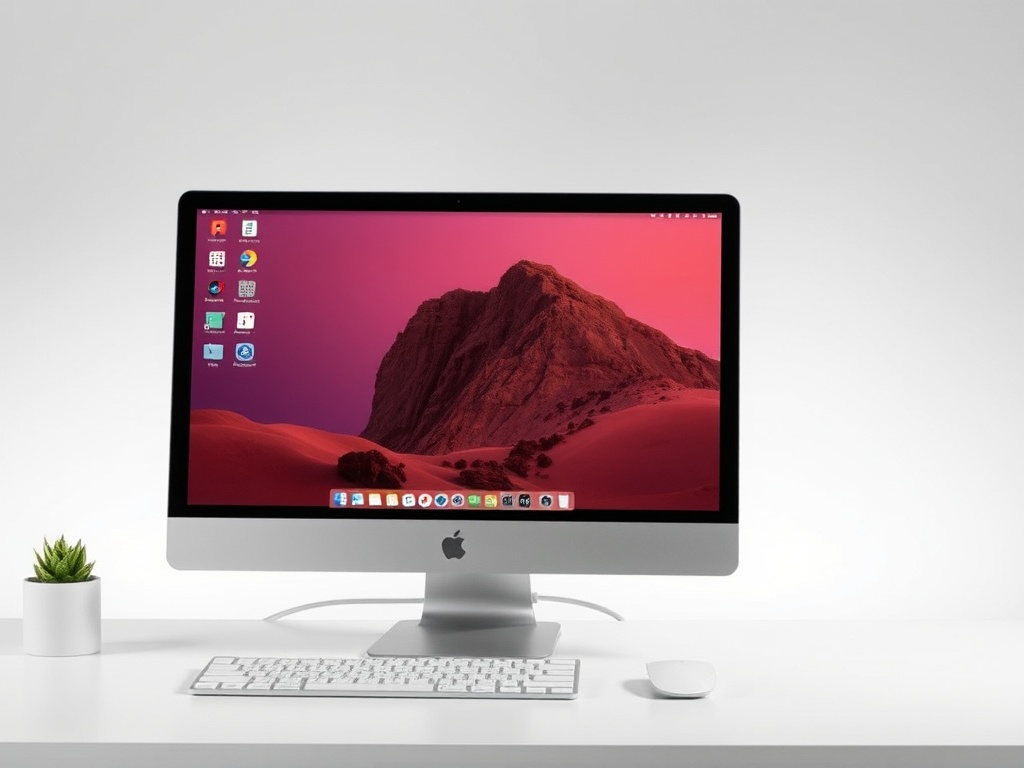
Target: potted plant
[62, 603]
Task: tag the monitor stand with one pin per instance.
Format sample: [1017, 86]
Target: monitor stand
[473, 615]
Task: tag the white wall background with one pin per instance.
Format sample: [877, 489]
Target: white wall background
[876, 149]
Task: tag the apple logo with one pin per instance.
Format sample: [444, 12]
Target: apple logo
[452, 546]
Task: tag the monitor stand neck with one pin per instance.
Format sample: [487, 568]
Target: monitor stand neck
[472, 615]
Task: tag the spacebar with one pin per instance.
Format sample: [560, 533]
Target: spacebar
[371, 687]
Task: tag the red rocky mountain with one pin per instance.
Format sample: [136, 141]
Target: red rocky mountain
[534, 355]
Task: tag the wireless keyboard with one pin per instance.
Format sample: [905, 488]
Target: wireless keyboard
[405, 676]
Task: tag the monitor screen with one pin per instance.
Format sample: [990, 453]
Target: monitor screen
[478, 364]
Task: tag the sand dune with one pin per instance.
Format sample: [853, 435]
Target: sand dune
[237, 461]
[658, 456]
[652, 456]
[233, 460]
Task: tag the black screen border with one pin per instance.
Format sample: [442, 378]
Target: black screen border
[192, 202]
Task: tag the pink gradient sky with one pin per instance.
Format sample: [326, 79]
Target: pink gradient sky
[336, 288]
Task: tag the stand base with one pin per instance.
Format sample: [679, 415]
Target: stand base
[411, 638]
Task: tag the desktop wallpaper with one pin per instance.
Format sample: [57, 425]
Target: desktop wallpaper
[573, 352]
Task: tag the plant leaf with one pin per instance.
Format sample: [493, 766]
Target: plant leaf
[62, 563]
[76, 558]
[82, 574]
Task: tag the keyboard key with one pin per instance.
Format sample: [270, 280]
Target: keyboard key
[223, 678]
[371, 687]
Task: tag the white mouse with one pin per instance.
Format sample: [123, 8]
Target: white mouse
[682, 679]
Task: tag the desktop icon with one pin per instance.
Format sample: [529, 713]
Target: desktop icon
[425, 499]
[408, 500]
[451, 546]
[216, 287]
[508, 500]
[392, 499]
[563, 501]
[248, 227]
[458, 500]
[213, 351]
[246, 321]
[491, 500]
[214, 321]
[340, 498]
[246, 289]
[218, 259]
[248, 259]
[245, 352]
[374, 500]
[218, 228]
[546, 500]
[474, 500]
[524, 500]
[441, 499]
[357, 499]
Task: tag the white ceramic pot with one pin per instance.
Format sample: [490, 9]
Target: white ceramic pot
[61, 619]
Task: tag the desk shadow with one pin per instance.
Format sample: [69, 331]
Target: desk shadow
[641, 687]
[143, 646]
[344, 637]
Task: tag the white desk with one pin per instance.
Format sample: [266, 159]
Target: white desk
[789, 694]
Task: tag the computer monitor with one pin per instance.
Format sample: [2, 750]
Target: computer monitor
[473, 386]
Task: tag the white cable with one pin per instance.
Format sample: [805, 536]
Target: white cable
[344, 601]
[583, 603]
[415, 600]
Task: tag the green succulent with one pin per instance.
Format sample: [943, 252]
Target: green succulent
[61, 564]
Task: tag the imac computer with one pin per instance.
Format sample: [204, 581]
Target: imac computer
[473, 386]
